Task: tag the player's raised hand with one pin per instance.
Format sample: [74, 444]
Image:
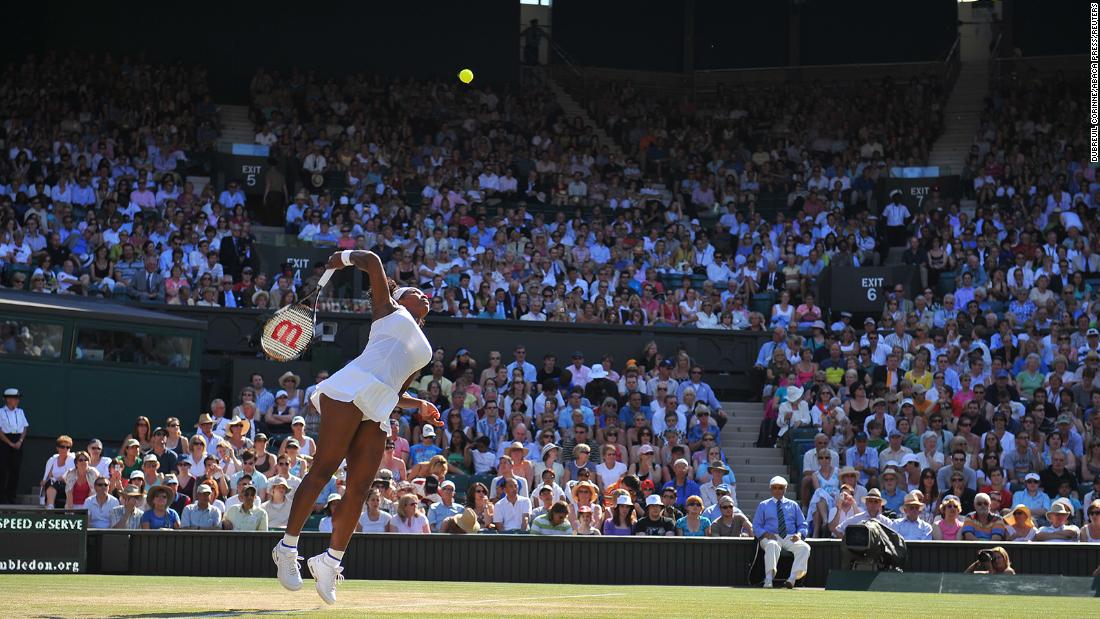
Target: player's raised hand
[430, 414]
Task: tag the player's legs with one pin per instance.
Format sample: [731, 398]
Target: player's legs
[364, 458]
[339, 423]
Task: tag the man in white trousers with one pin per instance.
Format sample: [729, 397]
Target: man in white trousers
[780, 525]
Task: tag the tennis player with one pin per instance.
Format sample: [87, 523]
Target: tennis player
[355, 405]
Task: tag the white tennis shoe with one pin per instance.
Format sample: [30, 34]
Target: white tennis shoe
[286, 561]
[326, 576]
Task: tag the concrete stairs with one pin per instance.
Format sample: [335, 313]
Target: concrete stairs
[962, 117]
[573, 109]
[753, 466]
[237, 127]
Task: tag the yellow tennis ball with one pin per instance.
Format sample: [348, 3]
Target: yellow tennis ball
[465, 76]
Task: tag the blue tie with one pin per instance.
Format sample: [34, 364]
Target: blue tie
[781, 520]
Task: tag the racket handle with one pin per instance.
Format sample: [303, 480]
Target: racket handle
[324, 278]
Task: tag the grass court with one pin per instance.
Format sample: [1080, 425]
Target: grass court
[148, 597]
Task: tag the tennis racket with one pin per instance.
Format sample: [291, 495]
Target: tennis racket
[289, 332]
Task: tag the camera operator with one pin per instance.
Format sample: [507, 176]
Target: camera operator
[991, 561]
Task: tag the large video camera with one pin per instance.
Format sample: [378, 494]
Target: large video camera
[872, 547]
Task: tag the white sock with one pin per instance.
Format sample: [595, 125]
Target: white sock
[290, 541]
[334, 556]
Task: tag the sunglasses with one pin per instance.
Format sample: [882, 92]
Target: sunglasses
[1094, 512]
[100, 485]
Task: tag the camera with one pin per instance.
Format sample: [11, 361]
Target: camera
[985, 556]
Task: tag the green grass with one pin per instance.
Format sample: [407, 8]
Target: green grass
[145, 597]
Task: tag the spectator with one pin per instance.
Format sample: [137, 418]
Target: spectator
[1019, 526]
[202, 514]
[277, 506]
[374, 519]
[654, 523]
[445, 507]
[682, 483]
[52, 486]
[1059, 529]
[409, 518]
[693, 524]
[553, 521]
[128, 515]
[872, 510]
[983, 524]
[100, 505]
[911, 527]
[246, 515]
[1032, 496]
[79, 481]
[158, 514]
[512, 512]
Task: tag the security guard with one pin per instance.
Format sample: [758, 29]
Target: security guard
[13, 430]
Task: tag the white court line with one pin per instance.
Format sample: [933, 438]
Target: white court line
[524, 599]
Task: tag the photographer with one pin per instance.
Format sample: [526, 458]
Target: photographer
[991, 561]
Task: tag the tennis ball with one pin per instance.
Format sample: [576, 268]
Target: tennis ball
[465, 76]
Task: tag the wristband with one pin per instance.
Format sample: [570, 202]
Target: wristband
[345, 257]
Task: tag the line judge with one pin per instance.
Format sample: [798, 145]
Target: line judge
[780, 525]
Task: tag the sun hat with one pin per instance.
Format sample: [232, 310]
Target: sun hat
[848, 470]
[794, 394]
[597, 371]
[912, 499]
[593, 490]
[653, 499]
[514, 445]
[204, 489]
[623, 499]
[291, 376]
[204, 418]
[1013, 521]
[137, 475]
[1061, 507]
[155, 490]
[150, 459]
[873, 495]
[335, 496]
[547, 448]
[467, 521]
[132, 491]
[241, 421]
[298, 420]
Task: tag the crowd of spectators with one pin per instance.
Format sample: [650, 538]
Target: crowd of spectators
[501, 207]
[975, 405]
[547, 449]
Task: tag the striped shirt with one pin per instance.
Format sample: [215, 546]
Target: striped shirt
[980, 530]
[542, 526]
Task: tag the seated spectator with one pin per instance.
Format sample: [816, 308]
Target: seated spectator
[374, 519]
[693, 524]
[654, 523]
[158, 514]
[202, 514]
[1019, 526]
[445, 507]
[911, 526]
[409, 518]
[872, 510]
[513, 511]
[128, 515]
[554, 521]
[949, 527]
[464, 523]
[100, 505]
[1059, 529]
[584, 522]
[246, 515]
[277, 506]
[983, 524]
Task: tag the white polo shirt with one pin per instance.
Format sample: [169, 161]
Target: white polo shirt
[509, 515]
[99, 517]
[12, 421]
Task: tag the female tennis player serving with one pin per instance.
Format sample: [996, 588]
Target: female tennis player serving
[355, 405]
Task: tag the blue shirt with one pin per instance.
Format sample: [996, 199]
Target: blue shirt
[529, 371]
[169, 520]
[894, 501]
[682, 526]
[766, 519]
[495, 431]
[703, 393]
[869, 458]
[423, 453]
[765, 355]
[690, 488]
[1039, 501]
[565, 417]
[439, 512]
[695, 434]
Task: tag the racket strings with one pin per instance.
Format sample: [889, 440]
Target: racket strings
[289, 332]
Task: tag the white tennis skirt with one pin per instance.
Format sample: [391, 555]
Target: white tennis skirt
[374, 398]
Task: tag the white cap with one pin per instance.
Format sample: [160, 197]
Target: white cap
[778, 480]
[428, 431]
[447, 484]
[11, 392]
[653, 499]
[281, 394]
[1031, 476]
[298, 419]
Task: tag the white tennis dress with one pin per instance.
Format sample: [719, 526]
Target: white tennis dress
[396, 348]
